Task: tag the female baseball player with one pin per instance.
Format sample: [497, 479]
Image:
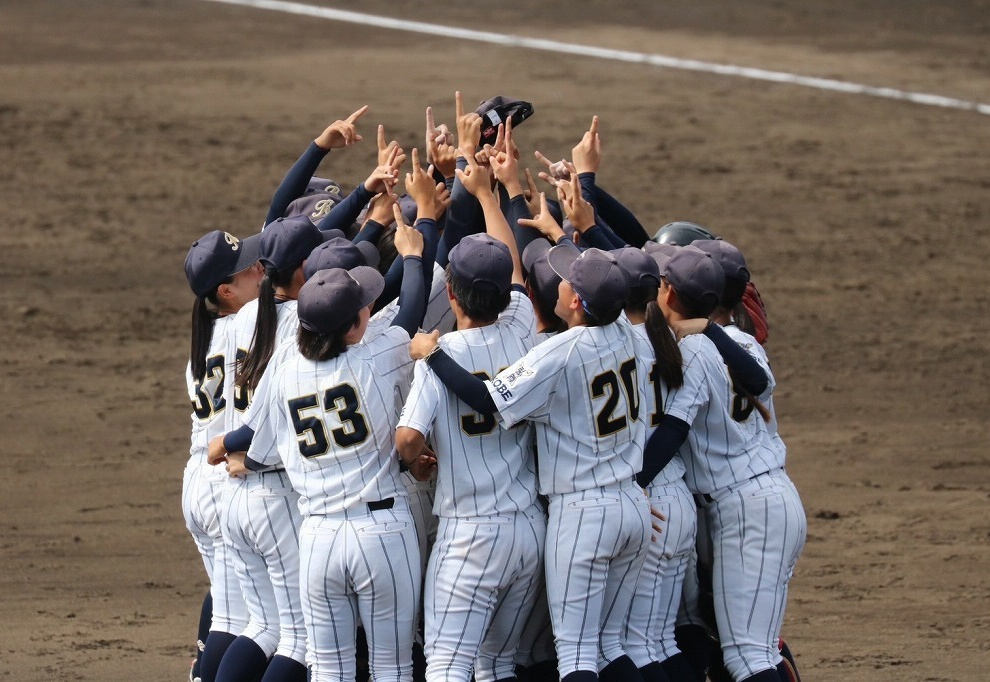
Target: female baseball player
[649, 630]
[260, 515]
[223, 272]
[755, 517]
[330, 420]
[476, 604]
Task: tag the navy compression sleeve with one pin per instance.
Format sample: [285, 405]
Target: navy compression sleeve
[661, 447]
[294, 183]
[746, 371]
[465, 385]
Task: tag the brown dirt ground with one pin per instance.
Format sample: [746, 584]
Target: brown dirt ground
[130, 127]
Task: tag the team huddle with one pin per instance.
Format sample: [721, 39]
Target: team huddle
[472, 432]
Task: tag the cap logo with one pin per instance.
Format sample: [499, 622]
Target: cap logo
[322, 208]
[234, 242]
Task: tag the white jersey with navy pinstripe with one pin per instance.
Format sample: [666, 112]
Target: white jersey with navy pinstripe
[206, 393]
[653, 402]
[581, 389]
[333, 424]
[740, 403]
[719, 451]
[481, 469]
[438, 312]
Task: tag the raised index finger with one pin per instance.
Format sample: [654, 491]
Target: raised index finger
[415, 160]
[594, 127]
[381, 137]
[458, 104]
[430, 126]
[357, 114]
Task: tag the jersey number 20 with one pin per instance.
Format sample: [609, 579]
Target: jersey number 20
[311, 431]
[608, 382]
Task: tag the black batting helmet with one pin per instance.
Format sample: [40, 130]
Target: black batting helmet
[681, 233]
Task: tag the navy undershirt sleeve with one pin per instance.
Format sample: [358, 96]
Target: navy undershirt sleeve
[295, 181]
[465, 385]
[595, 238]
[412, 301]
[661, 447]
[254, 466]
[746, 370]
[238, 440]
[464, 215]
[371, 231]
[612, 212]
[518, 208]
[343, 215]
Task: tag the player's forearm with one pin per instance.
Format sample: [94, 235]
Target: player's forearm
[294, 183]
[661, 447]
[623, 222]
[412, 296]
[343, 215]
[462, 383]
[746, 371]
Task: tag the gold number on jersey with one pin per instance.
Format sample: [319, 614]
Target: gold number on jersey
[608, 384]
[311, 430]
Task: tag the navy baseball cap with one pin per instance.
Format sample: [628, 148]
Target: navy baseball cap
[695, 275]
[483, 262]
[314, 206]
[286, 242]
[323, 186]
[540, 276]
[640, 269]
[594, 274]
[661, 253]
[216, 256]
[340, 253]
[498, 110]
[728, 256]
[334, 297]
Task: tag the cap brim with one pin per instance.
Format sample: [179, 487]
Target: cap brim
[370, 252]
[561, 258]
[333, 233]
[247, 253]
[533, 251]
[371, 281]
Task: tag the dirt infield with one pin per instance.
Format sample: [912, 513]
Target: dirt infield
[130, 127]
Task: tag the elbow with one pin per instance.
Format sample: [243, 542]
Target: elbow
[409, 443]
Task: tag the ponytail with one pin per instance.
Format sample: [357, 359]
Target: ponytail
[263, 344]
[202, 333]
[665, 348]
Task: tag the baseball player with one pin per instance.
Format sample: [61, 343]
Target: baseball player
[755, 517]
[581, 389]
[223, 273]
[330, 420]
[476, 603]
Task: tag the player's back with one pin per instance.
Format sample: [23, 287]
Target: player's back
[653, 398]
[581, 388]
[742, 409]
[719, 451]
[206, 393]
[481, 468]
[338, 417]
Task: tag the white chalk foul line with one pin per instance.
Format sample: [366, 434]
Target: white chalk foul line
[615, 55]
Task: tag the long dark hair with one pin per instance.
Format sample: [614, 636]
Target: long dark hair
[670, 364]
[253, 365]
[203, 320]
[319, 347]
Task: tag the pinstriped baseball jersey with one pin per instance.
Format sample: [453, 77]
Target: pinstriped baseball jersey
[581, 389]
[481, 469]
[653, 401]
[720, 451]
[438, 312]
[239, 342]
[741, 407]
[332, 424]
[206, 393]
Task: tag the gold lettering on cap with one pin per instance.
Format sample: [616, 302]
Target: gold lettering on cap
[234, 242]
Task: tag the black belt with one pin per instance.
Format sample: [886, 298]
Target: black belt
[272, 471]
[381, 504]
[703, 498]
